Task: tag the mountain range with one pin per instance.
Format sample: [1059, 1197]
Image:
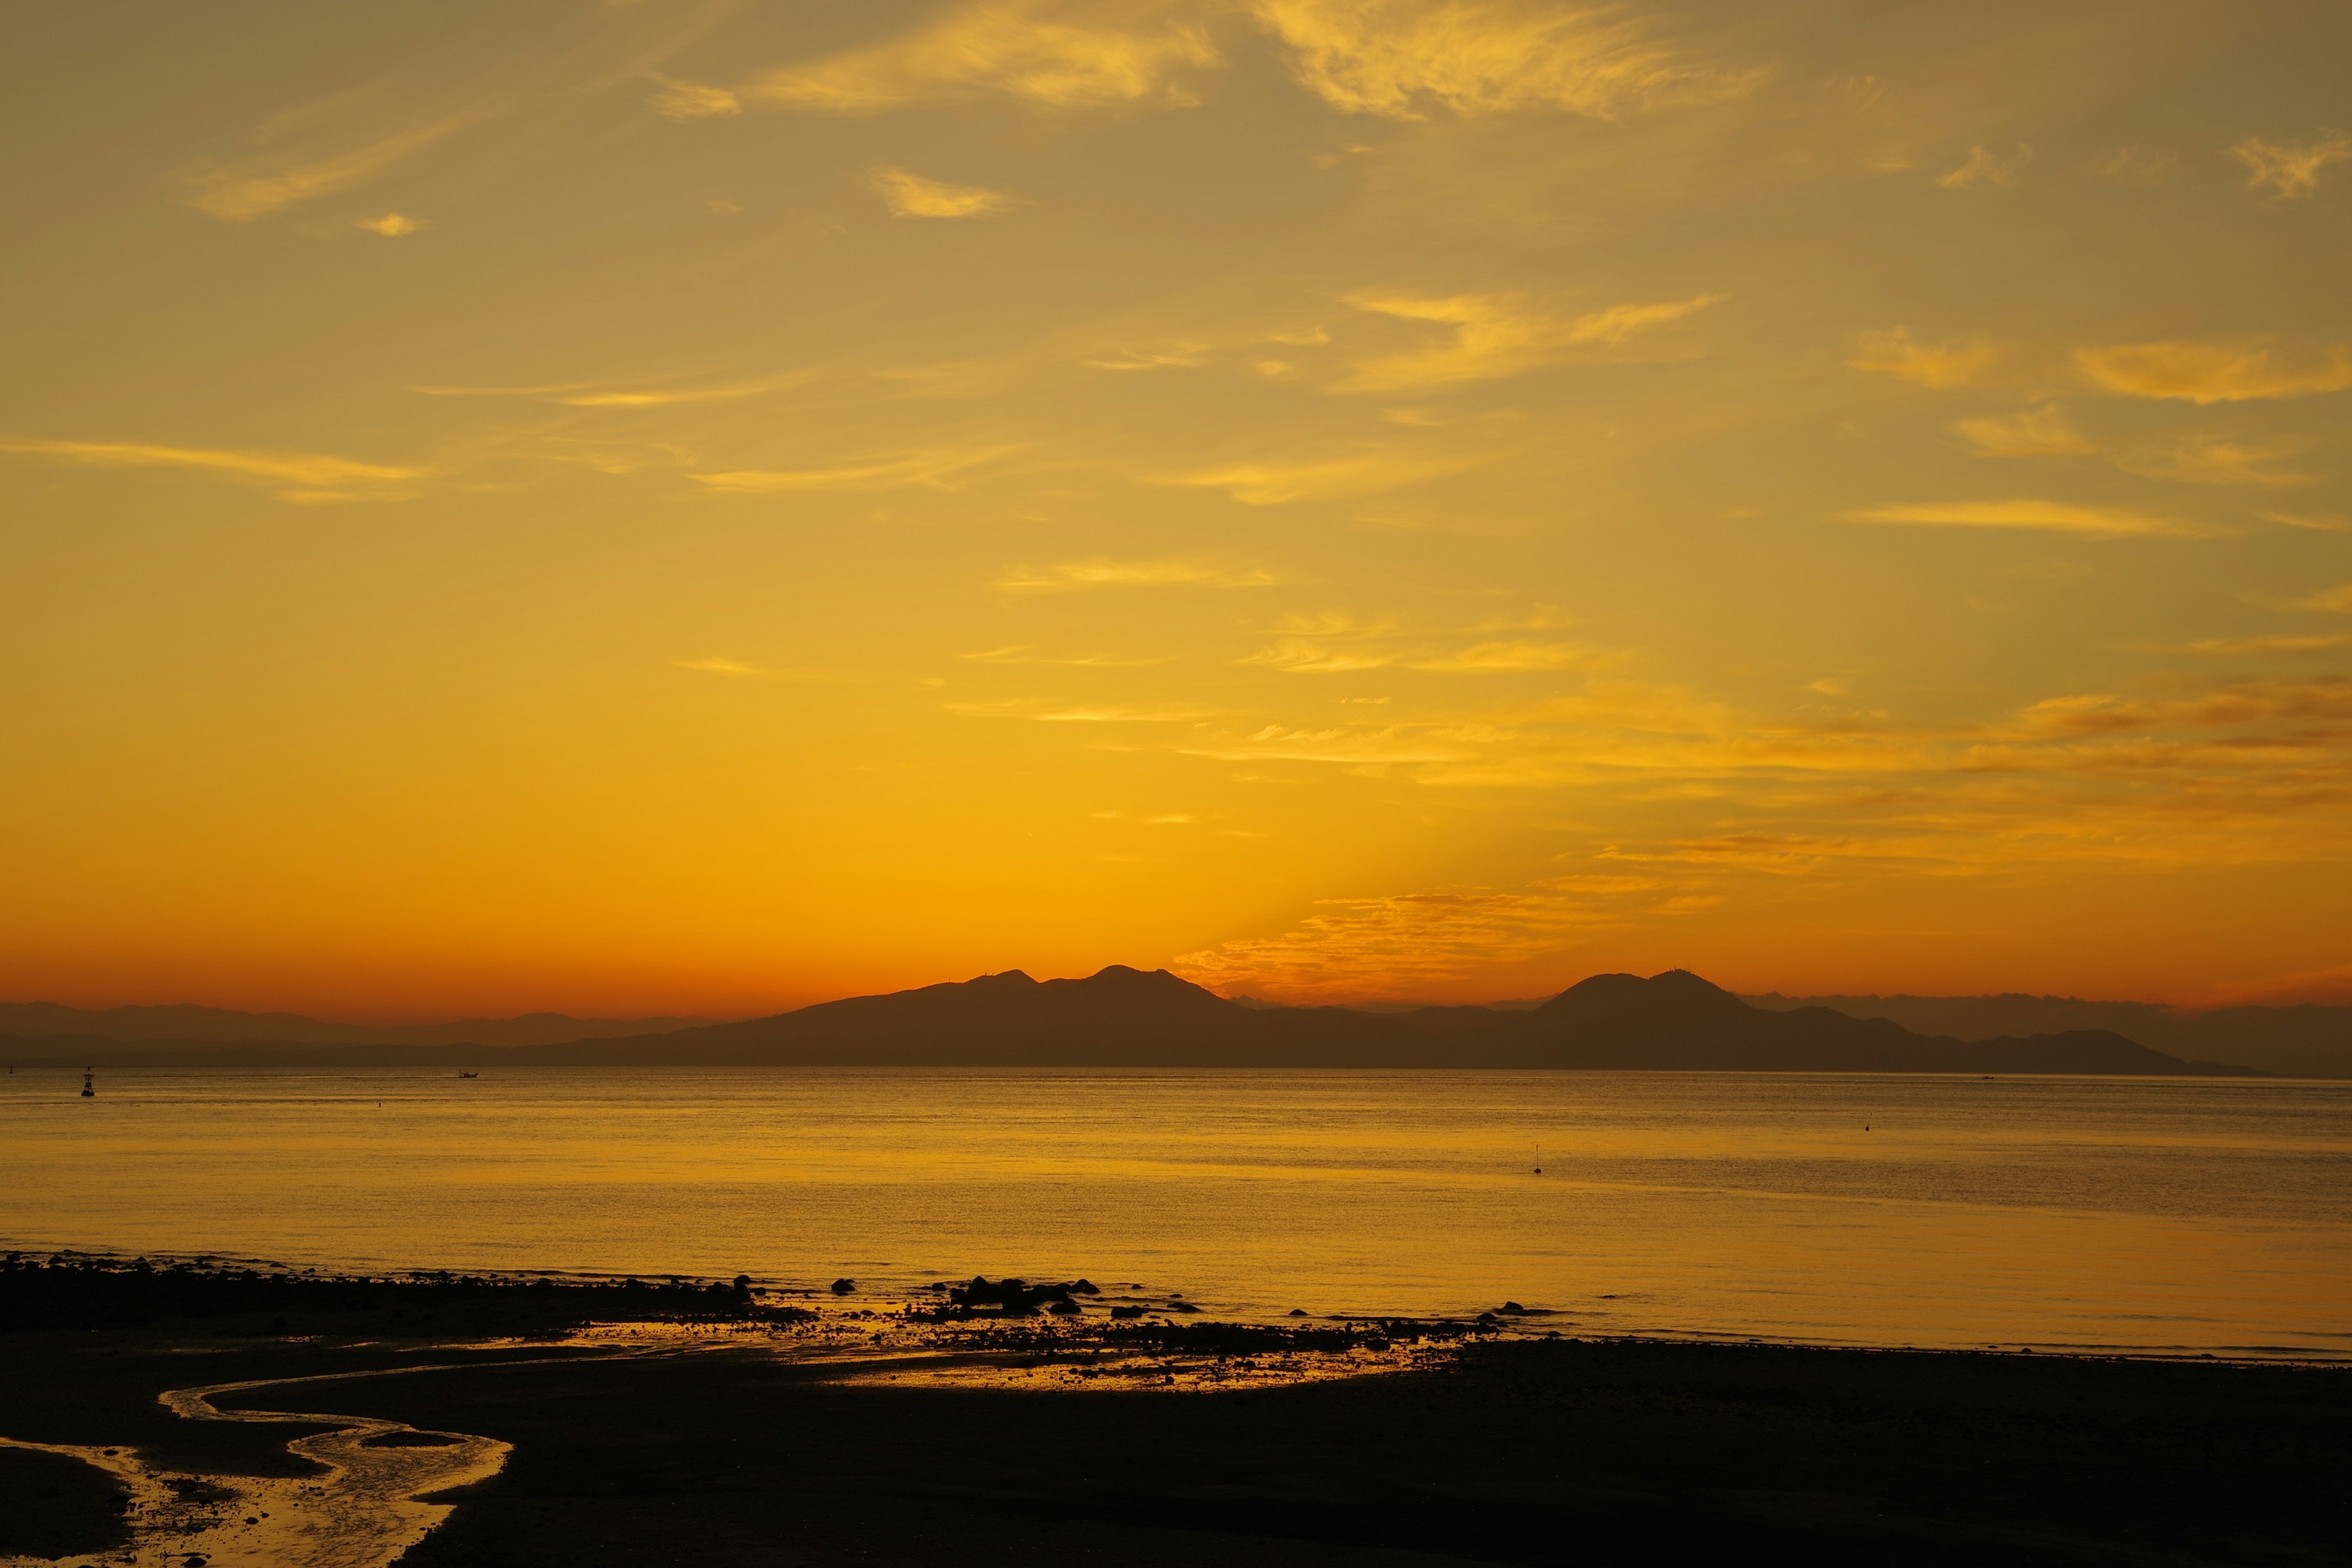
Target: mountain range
[1128, 1017]
[2298, 1041]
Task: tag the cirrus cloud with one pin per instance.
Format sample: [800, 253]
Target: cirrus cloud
[1169, 571]
[2215, 370]
[1499, 335]
[1050, 56]
[318, 477]
[911, 195]
[1400, 58]
[2057, 517]
[2291, 169]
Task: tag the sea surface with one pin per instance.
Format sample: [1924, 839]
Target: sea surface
[2177, 1215]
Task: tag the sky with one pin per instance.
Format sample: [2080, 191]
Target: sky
[702, 506]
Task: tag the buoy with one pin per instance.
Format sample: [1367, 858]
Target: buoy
[86, 1092]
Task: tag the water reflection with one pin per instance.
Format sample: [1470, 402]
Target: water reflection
[1877, 1209]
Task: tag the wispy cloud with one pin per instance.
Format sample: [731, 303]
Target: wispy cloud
[2317, 524]
[2336, 600]
[665, 397]
[1404, 58]
[2242, 703]
[320, 478]
[1504, 657]
[693, 100]
[2215, 370]
[327, 147]
[2059, 517]
[1389, 746]
[736, 669]
[610, 393]
[1960, 361]
[911, 195]
[1048, 711]
[2199, 459]
[551, 390]
[2135, 166]
[1313, 655]
[2033, 433]
[1168, 571]
[2284, 642]
[2290, 169]
[254, 187]
[936, 469]
[1270, 484]
[1160, 356]
[1500, 335]
[1024, 653]
[1054, 56]
[1984, 167]
[1403, 946]
[391, 226]
[1303, 655]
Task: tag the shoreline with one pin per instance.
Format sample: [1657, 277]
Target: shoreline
[606, 1292]
[856, 1436]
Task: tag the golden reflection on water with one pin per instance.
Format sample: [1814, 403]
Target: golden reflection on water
[2205, 1214]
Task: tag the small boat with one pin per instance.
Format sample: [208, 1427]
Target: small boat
[470, 1075]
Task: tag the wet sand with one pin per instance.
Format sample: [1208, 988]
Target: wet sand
[862, 1437]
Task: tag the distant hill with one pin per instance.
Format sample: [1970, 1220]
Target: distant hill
[2302, 1041]
[1128, 1017]
[188, 1024]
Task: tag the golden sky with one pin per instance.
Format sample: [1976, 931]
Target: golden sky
[705, 505]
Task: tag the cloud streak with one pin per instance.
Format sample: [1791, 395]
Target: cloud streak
[932, 470]
[2047, 516]
[331, 154]
[1986, 168]
[1404, 58]
[2034, 433]
[911, 195]
[1168, 571]
[2214, 370]
[2289, 170]
[321, 477]
[1272, 484]
[1047, 56]
[1497, 335]
[1960, 361]
[1400, 945]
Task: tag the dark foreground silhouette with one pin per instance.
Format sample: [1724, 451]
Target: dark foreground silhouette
[1532, 1451]
[1126, 1017]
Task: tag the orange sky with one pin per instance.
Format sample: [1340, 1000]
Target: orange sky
[700, 506]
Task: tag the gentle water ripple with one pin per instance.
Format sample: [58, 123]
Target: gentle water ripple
[2197, 1215]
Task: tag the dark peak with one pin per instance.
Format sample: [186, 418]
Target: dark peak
[1122, 974]
[1675, 990]
[1120, 979]
[1683, 983]
[1011, 980]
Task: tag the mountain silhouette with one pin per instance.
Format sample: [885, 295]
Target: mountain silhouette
[1123, 1017]
[2300, 1040]
[1127, 1018]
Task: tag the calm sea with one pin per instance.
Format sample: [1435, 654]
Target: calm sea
[2191, 1216]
